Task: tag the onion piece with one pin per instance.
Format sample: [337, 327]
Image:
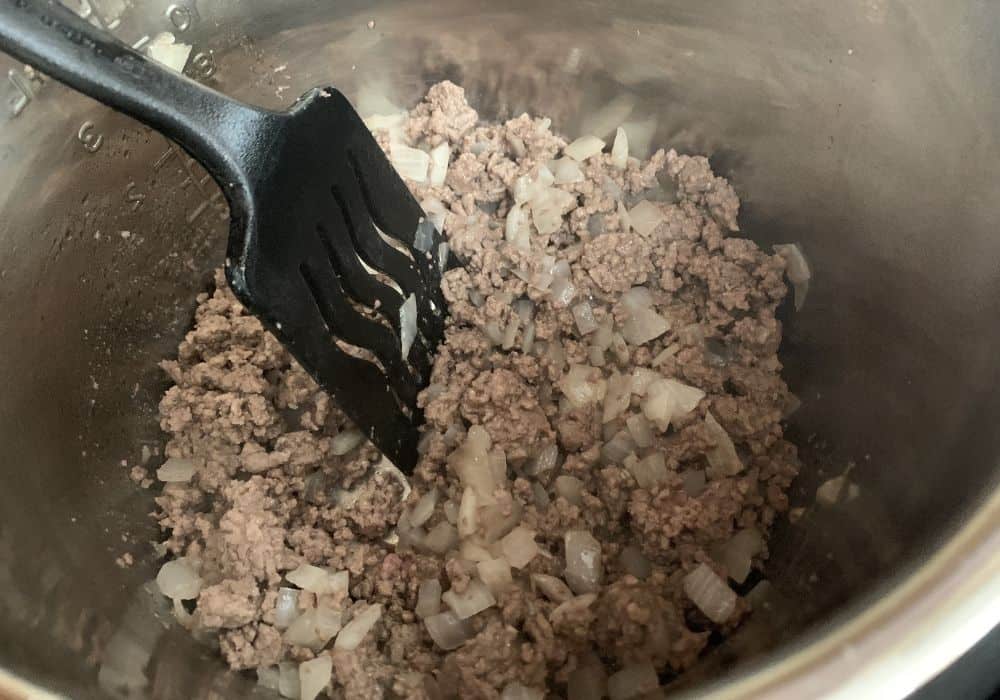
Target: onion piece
[797, 269]
[517, 230]
[448, 631]
[831, 491]
[165, 49]
[474, 552]
[354, 632]
[439, 164]
[640, 136]
[566, 171]
[467, 521]
[288, 680]
[636, 299]
[710, 593]
[495, 574]
[650, 471]
[640, 429]
[548, 206]
[178, 580]
[583, 148]
[546, 459]
[645, 217]
[667, 400]
[619, 151]
[634, 562]
[408, 324]
[633, 681]
[424, 508]
[583, 314]
[267, 676]
[552, 588]
[737, 554]
[471, 462]
[644, 325]
[441, 538]
[583, 386]
[176, 470]
[286, 607]
[519, 547]
[345, 441]
[314, 676]
[496, 523]
[314, 628]
[436, 212]
[428, 598]
[642, 377]
[617, 396]
[584, 567]
[562, 290]
[473, 600]
[620, 446]
[319, 581]
[722, 459]
[516, 691]
[410, 163]
[570, 488]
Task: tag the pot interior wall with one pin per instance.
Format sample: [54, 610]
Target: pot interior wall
[866, 130]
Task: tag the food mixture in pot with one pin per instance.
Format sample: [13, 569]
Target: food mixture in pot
[602, 461]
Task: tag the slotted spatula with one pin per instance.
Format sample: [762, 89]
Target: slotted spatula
[313, 205]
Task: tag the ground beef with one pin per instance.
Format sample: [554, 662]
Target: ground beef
[275, 488]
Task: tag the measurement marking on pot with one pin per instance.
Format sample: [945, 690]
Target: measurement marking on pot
[26, 81]
[88, 136]
[183, 17]
[133, 196]
[203, 65]
[191, 176]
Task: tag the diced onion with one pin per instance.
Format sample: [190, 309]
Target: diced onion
[471, 462]
[345, 441]
[410, 163]
[737, 554]
[570, 488]
[645, 217]
[267, 676]
[441, 538]
[584, 568]
[640, 136]
[473, 600]
[178, 580]
[710, 593]
[428, 598]
[552, 588]
[546, 459]
[314, 675]
[519, 547]
[649, 471]
[668, 400]
[831, 491]
[319, 581]
[439, 164]
[797, 269]
[495, 574]
[448, 630]
[620, 446]
[467, 521]
[408, 324]
[165, 49]
[633, 681]
[474, 552]
[314, 628]
[583, 148]
[424, 508]
[617, 397]
[583, 314]
[286, 607]
[583, 386]
[562, 291]
[640, 430]
[516, 228]
[288, 680]
[722, 458]
[619, 151]
[566, 171]
[354, 632]
[497, 524]
[643, 326]
[176, 470]
[436, 212]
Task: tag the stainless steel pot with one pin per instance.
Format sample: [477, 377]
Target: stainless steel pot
[867, 130]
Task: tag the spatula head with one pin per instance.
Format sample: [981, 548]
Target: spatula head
[307, 255]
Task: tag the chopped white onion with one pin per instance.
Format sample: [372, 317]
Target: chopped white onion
[634, 562]
[552, 588]
[410, 163]
[471, 462]
[645, 217]
[517, 230]
[562, 291]
[642, 377]
[288, 680]
[620, 446]
[407, 324]
[583, 148]
[831, 491]
[519, 547]
[436, 212]
[345, 441]
[467, 521]
[617, 396]
[496, 523]
[286, 607]
[737, 554]
[178, 580]
[583, 314]
[619, 151]
[510, 333]
[314, 628]
[450, 509]
[797, 269]
[605, 331]
[495, 574]
[448, 630]
[649, 471]
[516, 691]
[267, 676]
[710, 593]
[633, 681]
[637, 299]
[548, 207]
[428, 598]
[588, 682]
[640, 136]
[644, 325]
[583, 386]
[473, 600]
[474, 552]
[498, 465]
[441, 538]
[640, 429]
[439, 164]
[566, 171]
[668, 400]
[319, 581]
[545, 460]
[165, 49]
[584, 567]
[354, 632]
[176, 470]
[424, 508]
[570, 488]
[314, 675]
[722, 458]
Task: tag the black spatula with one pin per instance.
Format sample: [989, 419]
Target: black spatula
[316, 209]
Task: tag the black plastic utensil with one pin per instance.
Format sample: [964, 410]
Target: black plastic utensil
[310, 194]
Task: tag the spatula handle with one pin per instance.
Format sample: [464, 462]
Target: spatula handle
[215, 129]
